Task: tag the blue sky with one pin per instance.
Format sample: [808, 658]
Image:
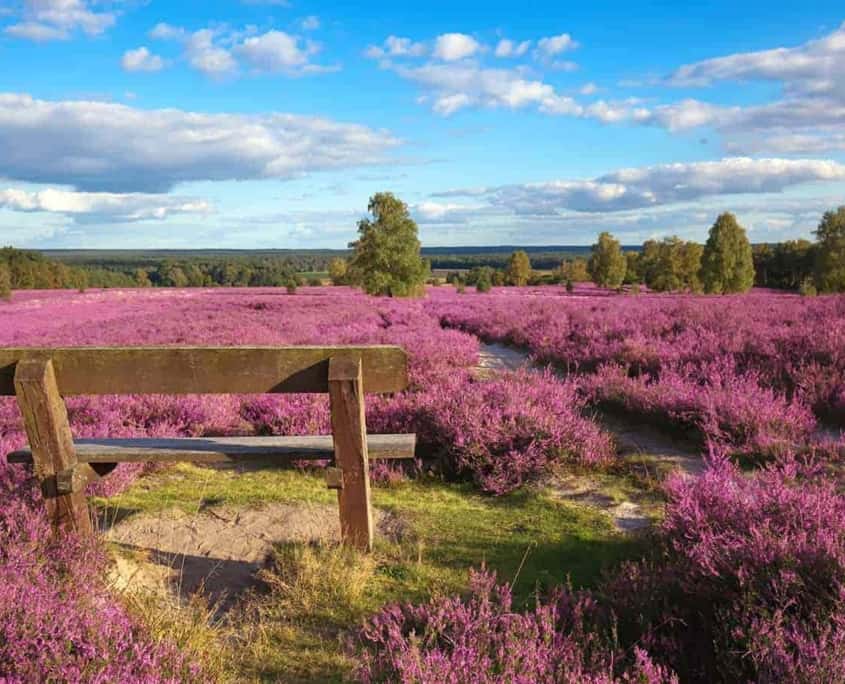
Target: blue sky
[262, 123]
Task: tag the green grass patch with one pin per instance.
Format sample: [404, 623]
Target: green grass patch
[316, 596]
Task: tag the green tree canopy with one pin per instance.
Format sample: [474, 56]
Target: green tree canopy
[671, 265]
[5, 282]
[484, 279]
[518, 270]
[142, 278]
[573, 270]
[830, 254]
[386, 257]
[337, 271]
[727, 264]
[607, 264]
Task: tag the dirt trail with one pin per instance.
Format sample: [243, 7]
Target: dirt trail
[634, 441]
[217, 552]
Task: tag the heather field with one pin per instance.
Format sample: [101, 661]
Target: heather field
[499, 556]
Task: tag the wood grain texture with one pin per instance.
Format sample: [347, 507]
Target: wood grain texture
[207, 370]
[350, 451]
[225, 449]
[46, 423]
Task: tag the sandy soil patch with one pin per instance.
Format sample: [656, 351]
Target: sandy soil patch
[217, 552]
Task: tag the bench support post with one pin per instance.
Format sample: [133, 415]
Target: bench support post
[349, 431]
[45, 419]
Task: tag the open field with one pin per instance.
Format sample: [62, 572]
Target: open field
[234, 574]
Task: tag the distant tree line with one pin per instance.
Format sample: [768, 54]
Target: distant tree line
[726, 263]
[239, 273]
[387, 260]
[26, 270]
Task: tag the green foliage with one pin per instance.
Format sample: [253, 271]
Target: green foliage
[5, 282]
[195, 276]
[727, 264]
[30, 270]
[607, 264]
[518, 270]
[785, 265]
[569, 286]
[807, 288]
[386, 257]
[830, 257]
[573, 270]
[142, 278]
[632, 268]
[338, 269]
[482, 277]
[671, 265]
[484, 282]
[171, 275]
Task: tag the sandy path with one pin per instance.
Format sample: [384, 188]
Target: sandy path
[633, 439]
[218, 552]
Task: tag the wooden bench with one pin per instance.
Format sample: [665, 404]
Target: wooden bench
[39, 378]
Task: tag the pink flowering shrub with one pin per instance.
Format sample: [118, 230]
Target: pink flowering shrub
[724, 407]
[58, 621]
[750, 372]
[744, 582]
[748, 579]
[499, 433]
[482, 639]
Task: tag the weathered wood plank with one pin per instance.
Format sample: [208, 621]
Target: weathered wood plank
[225, 449]
[46, 423]
[350, 451]
[206, 370]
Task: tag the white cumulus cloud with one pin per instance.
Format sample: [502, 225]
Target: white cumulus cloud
[454, 46]
[219, 52]
[104, 146]
[510, 48]
[555, 45]
[666, 184]
[141, 59]
[43, 20]
[93, 207]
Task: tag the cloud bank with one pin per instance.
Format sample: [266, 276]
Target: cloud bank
[107, 147]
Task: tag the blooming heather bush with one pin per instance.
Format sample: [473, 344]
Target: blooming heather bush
[500, 433]
[748, 583]
[58, 621]
[745, 582]
[726, 408]
[744, 371]
[482, 639]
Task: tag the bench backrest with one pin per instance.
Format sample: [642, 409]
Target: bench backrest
[207, 370]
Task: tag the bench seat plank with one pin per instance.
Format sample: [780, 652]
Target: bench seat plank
[225, 449]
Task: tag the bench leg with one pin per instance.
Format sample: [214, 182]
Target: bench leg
[45, 419]
[349, 432]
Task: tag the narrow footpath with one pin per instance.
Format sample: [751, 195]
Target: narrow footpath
[655, 451]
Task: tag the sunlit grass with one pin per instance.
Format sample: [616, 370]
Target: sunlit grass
[315, 596]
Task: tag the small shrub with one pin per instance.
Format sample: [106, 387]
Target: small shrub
[482, 639]
[807, 288]
[748, 579]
